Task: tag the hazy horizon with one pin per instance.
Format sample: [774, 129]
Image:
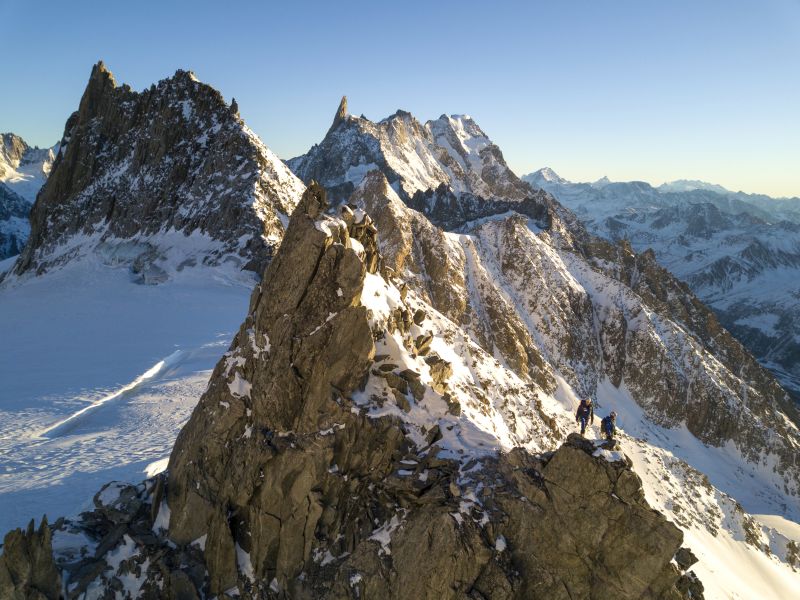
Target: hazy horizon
[633, 91]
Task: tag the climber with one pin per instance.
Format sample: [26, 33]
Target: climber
[609, 425]
[585, 414]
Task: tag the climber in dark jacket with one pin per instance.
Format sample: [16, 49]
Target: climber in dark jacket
[609, 426]
[585, 414]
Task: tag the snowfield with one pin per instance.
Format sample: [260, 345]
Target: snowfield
[99, 374]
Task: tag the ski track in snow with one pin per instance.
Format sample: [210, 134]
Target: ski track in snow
[65, 426]
[98, 375]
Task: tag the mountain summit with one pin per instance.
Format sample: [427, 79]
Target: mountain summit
[545, 174]
[416, 157]
[159, 179]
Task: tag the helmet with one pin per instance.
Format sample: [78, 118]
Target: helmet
[613, 415]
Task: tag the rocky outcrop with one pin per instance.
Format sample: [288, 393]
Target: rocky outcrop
[135, 166]
[27, 568]
[288, 482]
[341, 113]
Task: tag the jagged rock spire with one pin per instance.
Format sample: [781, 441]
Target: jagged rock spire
[341, 113]
[101, 82]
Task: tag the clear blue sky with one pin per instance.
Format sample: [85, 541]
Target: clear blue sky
[632, 89]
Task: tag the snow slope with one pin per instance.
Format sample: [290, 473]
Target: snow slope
[741, 556]
[99, 374]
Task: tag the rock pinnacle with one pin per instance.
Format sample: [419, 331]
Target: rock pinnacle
[341, 113]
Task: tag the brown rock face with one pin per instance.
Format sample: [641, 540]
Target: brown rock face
[27, 568]
[341, 113]
[296, 491]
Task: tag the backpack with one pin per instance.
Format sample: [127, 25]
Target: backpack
[608, 425]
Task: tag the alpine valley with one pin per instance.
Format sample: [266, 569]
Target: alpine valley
[354, 374]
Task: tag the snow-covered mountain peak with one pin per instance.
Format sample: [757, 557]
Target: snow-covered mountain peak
[451, 151]
[24, 168]
[464, 125]
[544, 175]
[135, 166]
[462, 138]
[687, 185]
[602, 182]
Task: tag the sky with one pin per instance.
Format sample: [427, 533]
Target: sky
[645, 90]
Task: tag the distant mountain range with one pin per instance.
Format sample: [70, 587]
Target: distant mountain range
[738, 252]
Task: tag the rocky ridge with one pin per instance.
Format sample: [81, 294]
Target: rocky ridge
[303, 474]
[160, 179]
